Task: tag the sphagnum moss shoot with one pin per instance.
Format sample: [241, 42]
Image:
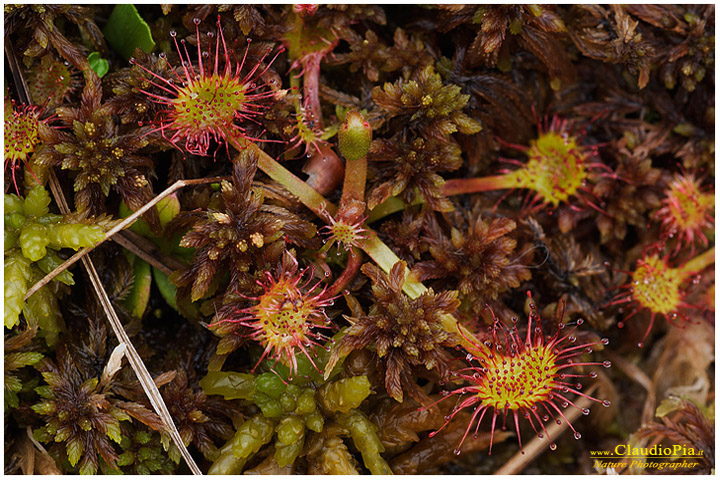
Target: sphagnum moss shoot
[532, 377]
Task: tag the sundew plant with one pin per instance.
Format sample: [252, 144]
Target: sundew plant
[359, 239]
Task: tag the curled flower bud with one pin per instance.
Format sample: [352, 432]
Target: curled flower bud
[354, 137]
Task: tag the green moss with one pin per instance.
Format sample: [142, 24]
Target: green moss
[33, 236]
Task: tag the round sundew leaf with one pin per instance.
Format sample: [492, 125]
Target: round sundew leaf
[50, 81]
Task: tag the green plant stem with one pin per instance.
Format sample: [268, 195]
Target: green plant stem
[305, 193]
[456, 186]
[295, 87]
[354, 184]
[373, 246]
[459, 186]
[698, 263]
[386, 258]
[390, 206]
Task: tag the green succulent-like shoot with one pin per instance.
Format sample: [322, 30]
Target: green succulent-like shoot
[354, 137]
[365, 438]
[33, 237]
[291, 408]
[288, 410]
[296, 413]
[247, 441]
[331, 456]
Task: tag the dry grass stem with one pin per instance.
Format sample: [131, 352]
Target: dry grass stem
[117, 228]
[141, 371]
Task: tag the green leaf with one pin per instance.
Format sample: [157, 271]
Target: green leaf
[230, 385]
[126, 30]
[167, 209]
[120, 415]
[41, 435]
[21, 359]
[74, 451]
[668, 406]
[45, 392]
[11, 400]
[125, 459]
[144, 454]
[87, 468]
[142, 437]
[174, 453]
[113, 432]
[44, 408]
[98, 64]
[166, 287]
[165, 440]
[139, 296]
[12, 383]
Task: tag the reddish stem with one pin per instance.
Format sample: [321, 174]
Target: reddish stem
[311, 90]
[324, 168]
[351, 269]
[460, 186]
